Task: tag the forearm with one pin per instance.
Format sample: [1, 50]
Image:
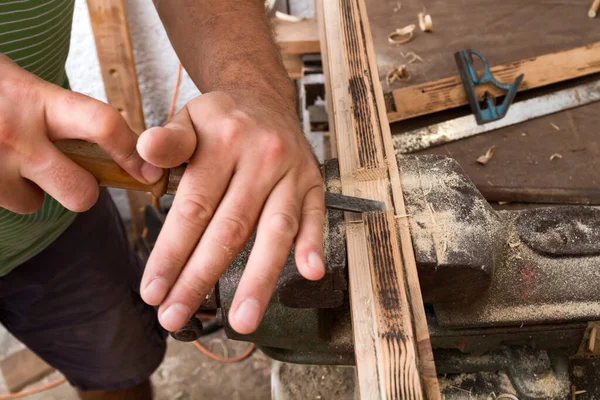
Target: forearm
[227, 45]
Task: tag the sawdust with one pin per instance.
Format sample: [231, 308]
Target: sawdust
[475, 386]
[317, 382]
[528, 288]
[439, 228]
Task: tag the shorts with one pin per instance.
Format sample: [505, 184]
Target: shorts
[77, 305]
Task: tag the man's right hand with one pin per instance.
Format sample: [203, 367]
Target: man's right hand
[33, 115]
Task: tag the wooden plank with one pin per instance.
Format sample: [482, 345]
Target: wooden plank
[293, 65]
[324, 56]
[23, 368]
[300, 37]
[393, 352]
[539, 71]
[115, 54]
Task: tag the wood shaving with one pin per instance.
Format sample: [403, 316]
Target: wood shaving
[555, 155]
[287, 17]
[398, 7]
[398, 74]
[484, 159]
[512, 245]
[425, 22]
[507, 396]
[413, 57]
[552, 124]
[402, 35]
[524, 134]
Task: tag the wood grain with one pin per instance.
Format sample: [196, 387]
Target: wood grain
[117, 65]
[300, 37]
[539, 71]
[384, 292]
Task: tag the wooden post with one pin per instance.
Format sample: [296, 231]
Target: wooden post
[115, 54]
[393, 351]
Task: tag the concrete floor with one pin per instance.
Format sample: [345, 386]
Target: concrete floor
[185, 373]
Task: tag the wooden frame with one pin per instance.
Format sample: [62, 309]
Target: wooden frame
[393, 351]
[115, 54]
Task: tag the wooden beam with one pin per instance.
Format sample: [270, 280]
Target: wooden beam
[300, 37]
[293, 65]
[115, 54]
[393, 352]
[446, 93]
[324, 56]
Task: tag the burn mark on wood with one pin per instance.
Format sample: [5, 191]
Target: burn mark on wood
[360, 86]
[383, 267]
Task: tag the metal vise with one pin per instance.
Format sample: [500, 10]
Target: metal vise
[501, 283]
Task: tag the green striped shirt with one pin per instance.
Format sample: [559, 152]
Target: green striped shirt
[35, 34]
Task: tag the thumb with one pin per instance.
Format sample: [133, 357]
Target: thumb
[71, 115]
[171, 145]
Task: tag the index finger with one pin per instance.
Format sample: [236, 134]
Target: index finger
[71, 115]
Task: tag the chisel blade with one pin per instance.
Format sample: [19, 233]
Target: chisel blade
[353, 204]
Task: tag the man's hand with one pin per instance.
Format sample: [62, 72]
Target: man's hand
[35, 113]
[251, 164]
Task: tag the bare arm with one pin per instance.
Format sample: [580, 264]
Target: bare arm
[227, 45]
[251, 168]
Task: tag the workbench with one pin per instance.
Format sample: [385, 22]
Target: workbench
[504, 32]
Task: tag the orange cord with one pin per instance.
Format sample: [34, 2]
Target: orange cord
[217, 357]
[175, 93]
[24, 393]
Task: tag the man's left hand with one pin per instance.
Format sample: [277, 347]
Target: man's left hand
[252, 167]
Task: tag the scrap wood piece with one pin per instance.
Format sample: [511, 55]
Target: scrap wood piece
[300, 37]
[394, 358]
[539, 71]
[23, 368]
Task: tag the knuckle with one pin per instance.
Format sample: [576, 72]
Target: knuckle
[7, 133]
[196, 286]
[275, 148]
[232, 130]
[233, 231]
[284, 224]
[170, 259]
[194, 210]
[106, 121]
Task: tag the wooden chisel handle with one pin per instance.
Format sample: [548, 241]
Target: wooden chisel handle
[108, 173]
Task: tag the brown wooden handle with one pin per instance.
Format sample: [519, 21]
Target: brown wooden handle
[108, 173]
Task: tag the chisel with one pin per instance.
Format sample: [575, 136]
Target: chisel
[108, 173]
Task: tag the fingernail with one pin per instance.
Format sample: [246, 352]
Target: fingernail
[316, 262]
[155, 292]
[247, 315]
[175, 317]
[151, 173]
